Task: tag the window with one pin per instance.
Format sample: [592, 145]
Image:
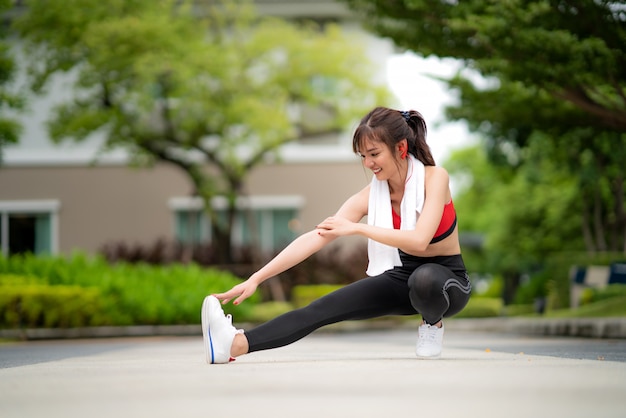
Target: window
[266, 221]
[191, 226]
[28, 227]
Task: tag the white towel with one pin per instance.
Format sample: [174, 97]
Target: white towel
[383, 257]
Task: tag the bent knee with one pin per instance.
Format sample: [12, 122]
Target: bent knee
[425, 276]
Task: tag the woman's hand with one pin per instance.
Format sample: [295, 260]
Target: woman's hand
[242, 291]
[335, 226]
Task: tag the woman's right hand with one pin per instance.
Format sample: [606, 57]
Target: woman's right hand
[242, 291]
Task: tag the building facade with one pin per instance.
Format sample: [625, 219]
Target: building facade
[57, 199]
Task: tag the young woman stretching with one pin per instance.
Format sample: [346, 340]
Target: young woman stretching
[415, 264]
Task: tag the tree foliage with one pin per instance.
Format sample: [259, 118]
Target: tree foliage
[210, 87]
[525, 213]
[528, 126]
[554, 70]
[550, 108]
[9, 99]
[572, 49]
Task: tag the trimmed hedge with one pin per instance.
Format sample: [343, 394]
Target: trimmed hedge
[36, 306]
[267, 311]
[80, 291]
[302, 295]
[482, 307]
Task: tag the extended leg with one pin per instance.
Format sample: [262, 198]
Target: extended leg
[368, 298]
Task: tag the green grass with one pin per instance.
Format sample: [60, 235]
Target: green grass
[612, 307]
[482, 307]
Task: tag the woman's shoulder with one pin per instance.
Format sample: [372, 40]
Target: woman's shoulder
[437, 182]
[435, 172]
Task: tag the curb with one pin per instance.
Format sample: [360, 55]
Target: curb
[562, 327]
[567, 327]
[579, 327]
[100, 332]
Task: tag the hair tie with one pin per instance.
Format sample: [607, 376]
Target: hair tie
[406, 115]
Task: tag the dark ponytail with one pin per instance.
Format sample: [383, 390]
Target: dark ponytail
[392, 126]
[418, 146]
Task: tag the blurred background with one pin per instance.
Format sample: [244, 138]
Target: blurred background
[153, 152]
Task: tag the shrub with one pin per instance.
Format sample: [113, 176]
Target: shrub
[615, 306]
[592, 295]
[126, 294]
[302, 295]
[519, 310]
[482, 307]
[553, 280]
[496, 288]
[266, 311]
[36, 306]
[536, 287]
[338, 264]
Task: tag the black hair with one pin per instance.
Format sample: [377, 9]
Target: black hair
[391, 126]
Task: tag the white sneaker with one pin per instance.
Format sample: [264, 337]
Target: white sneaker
[218, 331]
[429, 341]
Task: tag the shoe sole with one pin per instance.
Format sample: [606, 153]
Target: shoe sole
[438, 356]
[206, 331]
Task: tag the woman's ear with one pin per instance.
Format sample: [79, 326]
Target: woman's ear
[403, 148]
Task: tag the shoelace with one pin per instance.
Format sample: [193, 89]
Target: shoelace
[427, 335]
[229, 318]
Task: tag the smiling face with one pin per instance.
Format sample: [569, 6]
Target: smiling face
[378, 157]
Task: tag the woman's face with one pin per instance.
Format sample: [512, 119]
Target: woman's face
[377, 157]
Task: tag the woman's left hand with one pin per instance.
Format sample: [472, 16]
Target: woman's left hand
[334, 226]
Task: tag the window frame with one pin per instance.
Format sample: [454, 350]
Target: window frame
[264, 204]
[50, 207]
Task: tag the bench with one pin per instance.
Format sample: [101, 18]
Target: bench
[598, 277]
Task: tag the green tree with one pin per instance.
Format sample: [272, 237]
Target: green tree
[572, 49]
[553, 88]
[9, 127]
[524, 213]
[207, 86]
[592, 155]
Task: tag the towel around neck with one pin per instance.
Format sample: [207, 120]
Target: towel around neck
[383, 257]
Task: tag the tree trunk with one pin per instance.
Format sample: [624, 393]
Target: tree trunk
[511, 283]
[222, 244]
[597, 221]
[586, 228]
[620, 213]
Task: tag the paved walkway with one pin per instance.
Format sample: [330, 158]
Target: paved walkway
[614, 327]
[350, 374]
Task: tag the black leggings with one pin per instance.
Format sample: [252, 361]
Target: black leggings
[435, 287]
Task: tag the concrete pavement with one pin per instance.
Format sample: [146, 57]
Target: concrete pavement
[613, 327]
[346, 374]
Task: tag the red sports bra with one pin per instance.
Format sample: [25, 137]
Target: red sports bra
[446, 226]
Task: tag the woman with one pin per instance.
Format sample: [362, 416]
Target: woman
[415, 264]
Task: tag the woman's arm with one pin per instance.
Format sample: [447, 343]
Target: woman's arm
[301, 248]
[415, 241]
